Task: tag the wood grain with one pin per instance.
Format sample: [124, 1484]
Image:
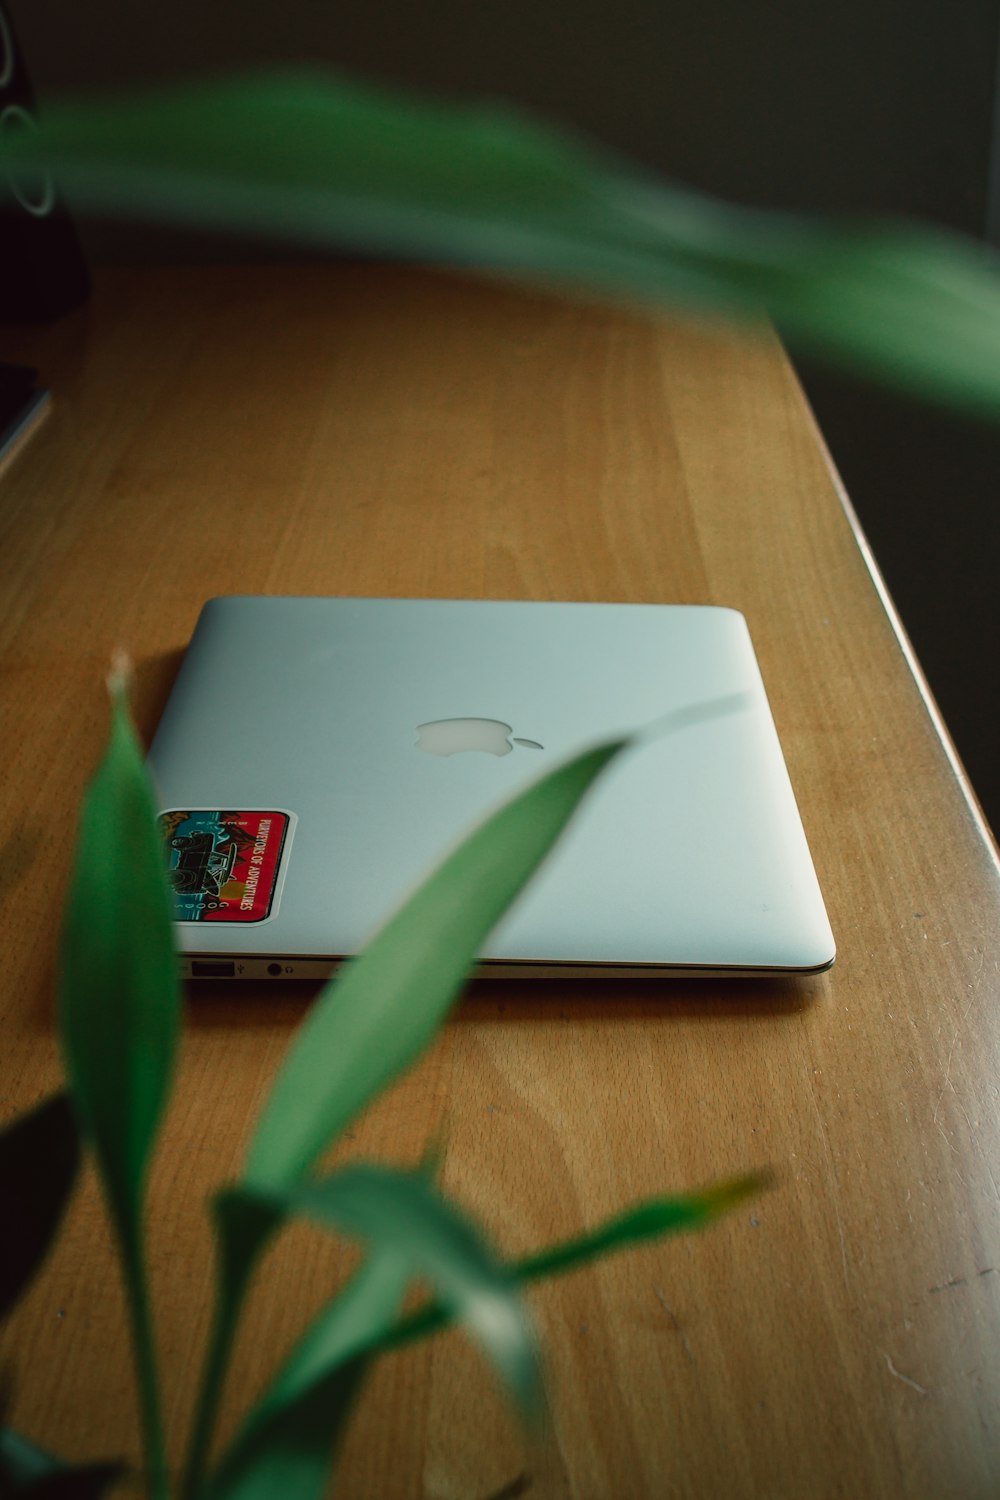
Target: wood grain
[348, 430]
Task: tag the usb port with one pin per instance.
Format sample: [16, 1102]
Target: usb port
[202, 969]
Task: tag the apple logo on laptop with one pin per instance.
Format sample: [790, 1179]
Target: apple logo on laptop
[450, 736]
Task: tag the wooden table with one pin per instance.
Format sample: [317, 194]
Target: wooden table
[346, 430]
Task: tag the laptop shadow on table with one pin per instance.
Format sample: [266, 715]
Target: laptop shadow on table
[265, 1005]
[604, 999]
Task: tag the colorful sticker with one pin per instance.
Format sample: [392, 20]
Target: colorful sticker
[224, 866]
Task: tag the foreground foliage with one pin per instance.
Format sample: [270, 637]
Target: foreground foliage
[119, 1015]
[319, 159]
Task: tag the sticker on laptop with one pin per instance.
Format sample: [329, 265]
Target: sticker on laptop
[226, 866]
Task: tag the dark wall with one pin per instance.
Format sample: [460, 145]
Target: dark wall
[875, 106]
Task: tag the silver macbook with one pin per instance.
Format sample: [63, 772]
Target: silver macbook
[318, 756]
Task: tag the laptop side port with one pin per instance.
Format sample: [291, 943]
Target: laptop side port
[211, 969]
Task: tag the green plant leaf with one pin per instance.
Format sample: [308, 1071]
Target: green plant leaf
[118, 988]
[30, 1473]
[385, 1006]
[644, 1221]
[119, 1013]
[292, 1450]
[374, 1019]
[392, 1209]
[290, 1440]
[322, 159]
[291, 1437]
[39, 1156]
[649, 1220]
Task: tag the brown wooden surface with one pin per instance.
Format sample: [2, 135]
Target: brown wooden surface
[337, 430]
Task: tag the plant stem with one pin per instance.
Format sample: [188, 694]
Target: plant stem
[244, 1225]
[236, 1264]
[144, 1349]
[210, 1394]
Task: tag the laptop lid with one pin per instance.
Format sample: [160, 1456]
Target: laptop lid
[318, 755]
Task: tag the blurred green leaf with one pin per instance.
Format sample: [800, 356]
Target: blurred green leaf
[289, 1442]
[645, 1221]
[650, 1220]
[403, 1211]
[320, 159]
[39, 1156]
[119, 1015]
[369, 1023]
[385, 1006]
[292, 1449]
[291, 1436]
[290, 1439]
[118, 987]
[30, 1473]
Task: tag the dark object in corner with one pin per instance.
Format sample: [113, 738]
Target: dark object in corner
[42, 270]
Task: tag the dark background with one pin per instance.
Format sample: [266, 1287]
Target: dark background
[872, 106]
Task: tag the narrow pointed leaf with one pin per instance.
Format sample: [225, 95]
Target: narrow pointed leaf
[119, 1015]
[290, 1440]
[322, 159]
[39, 1156]
[369, 1024]
[385, 1007]
[118, 988]
[644, 1221]
[402, 1211]
[292, 1434]
[649, 1220]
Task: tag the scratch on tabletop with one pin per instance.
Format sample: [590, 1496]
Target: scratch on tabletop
[921, 1390]
[946, 1286]
[989, 1172]
[685, 1345]
[954, 1042]
[946, 1137]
